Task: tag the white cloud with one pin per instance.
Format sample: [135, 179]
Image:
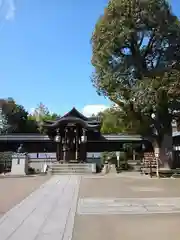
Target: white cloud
[31, 111]
[7, 10]
[10, 10]
[89, 110]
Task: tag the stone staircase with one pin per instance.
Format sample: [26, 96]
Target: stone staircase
[72, 168]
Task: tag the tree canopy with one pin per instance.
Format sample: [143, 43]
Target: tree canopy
[14, 118]
[111, 121]
[133, 39]
[136, 55]
[41, 114]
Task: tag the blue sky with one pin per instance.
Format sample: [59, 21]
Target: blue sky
[45, 52]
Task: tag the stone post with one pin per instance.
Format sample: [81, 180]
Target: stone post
[19, 164]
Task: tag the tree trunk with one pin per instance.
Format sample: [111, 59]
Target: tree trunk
[164, 150]
[134, 155]
[166, 147]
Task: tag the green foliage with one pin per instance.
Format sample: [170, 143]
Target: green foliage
[134, 38]
[42, 114]
[111, 121]
[3, 122]
[122, 120]
[5, 161]
[106, 156]
[158, 93]
[136, 55]
[15, 118]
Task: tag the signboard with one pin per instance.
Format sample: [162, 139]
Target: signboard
[149, 159]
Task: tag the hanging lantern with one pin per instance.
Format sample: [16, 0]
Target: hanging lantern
[83, 139]
[57, 138]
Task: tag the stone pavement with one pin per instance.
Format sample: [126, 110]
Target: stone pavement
[101, 206]
[15, 189]
[128, 206]
[47, 213]
[81, 207]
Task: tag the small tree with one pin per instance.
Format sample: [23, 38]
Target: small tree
[3, 122]
[42, 114]
[112, 121]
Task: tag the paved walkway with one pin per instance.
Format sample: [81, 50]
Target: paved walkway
[101, 206]
[46, 214]
[126, 207]
[14, 189]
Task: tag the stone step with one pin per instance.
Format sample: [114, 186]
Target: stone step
[70, 173]
[69, 169]
[72, 168]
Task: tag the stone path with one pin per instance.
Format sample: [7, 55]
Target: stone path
[108, 208]
[48, 213]
[101, 206]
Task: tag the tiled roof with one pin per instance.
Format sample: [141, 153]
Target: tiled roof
[40, 137]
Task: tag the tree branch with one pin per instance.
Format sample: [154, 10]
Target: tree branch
[141, 41]
[150, 43]
[162, 71]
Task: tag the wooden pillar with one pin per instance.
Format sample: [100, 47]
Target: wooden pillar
[84, 141]
[77, 143]
[60, 150]
[57, 152]
[58, 140]
[65, 145]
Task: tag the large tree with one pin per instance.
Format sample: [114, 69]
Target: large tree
[136, 55]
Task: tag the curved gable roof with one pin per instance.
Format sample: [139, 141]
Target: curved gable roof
[75, 113]
[68, 120]
[73, 117]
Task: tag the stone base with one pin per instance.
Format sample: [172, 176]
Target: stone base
[19, 164]
[165, 172]
[162, 172]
